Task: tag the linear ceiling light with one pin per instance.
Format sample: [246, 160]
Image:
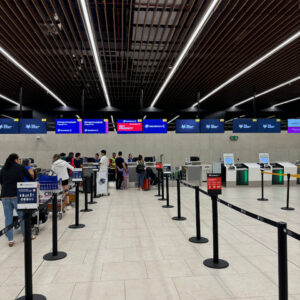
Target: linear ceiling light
[9, 100]
[92, 41]
[6, 116]
[251, 66]
[30, 75]
[197, 30]
[287, 101]
[173, 119]
[113, 122]
[242, 116]
[269, 90]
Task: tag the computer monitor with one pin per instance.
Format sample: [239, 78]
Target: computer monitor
[135, 159]
[90, 159]
[264, 160]
[194, 158]
[149, 159]
[228, 160]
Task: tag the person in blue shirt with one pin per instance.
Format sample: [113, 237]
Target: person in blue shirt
[26, 164]
[130, 157]
[97, 158]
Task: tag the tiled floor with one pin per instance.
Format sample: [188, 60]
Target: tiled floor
[131, 249]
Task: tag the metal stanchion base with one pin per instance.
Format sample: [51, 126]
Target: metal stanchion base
[202, 240]
[34, 297]
[222, 264]
[94, 202]
[86, 210]
[167, 206]
[74, 226]
[157, 195]
[262, 199]
[162, 199]
[97, 196]
[287, 208]
[50, 256]
[179, 218]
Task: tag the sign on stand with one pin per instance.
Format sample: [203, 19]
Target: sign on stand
[158, 165]
[214, 184]
[77, 175]
[102, 183]
[27, 195]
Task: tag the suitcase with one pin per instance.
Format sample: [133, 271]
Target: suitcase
[146, 184]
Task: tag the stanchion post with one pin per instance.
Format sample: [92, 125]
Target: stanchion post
[54, 255]
[158, 184]
[287, 207]
[95, 184]
[179, 217]
[215, 262]
[77, 225]
[28, 260]
[282, 262]
[262, 188]
[86, 209]
[92, 189]
[162, 187]
[168, 195]
[198, 238]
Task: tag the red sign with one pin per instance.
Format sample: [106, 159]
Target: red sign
[214, 183]
[130, 127]
[158, 166]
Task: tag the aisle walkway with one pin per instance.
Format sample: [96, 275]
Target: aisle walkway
[131, 249]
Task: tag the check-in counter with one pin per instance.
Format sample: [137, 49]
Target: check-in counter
[288, 168]
[254, 174]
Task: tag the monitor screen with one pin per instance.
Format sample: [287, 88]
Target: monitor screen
[154, 126]
[68, 126]
[293, 125]
[94, 126]
[129, 126]
[245, 125]
[264, 160]
[194, 158]
[33, 126]
[149, 159]
[9, 126]
[212, 125]
[228, 161]
[187, 126]
[268, 125]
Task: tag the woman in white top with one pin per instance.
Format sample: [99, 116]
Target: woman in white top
[60, 168]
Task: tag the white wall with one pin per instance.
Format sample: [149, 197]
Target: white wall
[175, 147]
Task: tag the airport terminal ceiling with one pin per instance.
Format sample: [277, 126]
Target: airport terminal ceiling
[138, 43]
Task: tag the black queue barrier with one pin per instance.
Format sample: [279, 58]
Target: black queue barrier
[262, 188]
[162, 187]
[55, 254]
[95, 184]
[287, 207]
[282, 261]
[168, 195]
[28, 260]
[158, 183]
[178, 217]
[92, 190]
[86, 208]
[77, 225]
[198, 238]
[215, 262]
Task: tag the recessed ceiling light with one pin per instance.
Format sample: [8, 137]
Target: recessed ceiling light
[9, 100]
[88, 26]
[251, 66]
[287, 101]
[191, 40]
[269, 90]
[30, 75]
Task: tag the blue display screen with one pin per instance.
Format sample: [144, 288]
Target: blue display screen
[68, 126]
[33, 126]
[244, 125]
[293, 125]
[94, 126]
[187, 126]
[228, 161]
[268, 125]
[154, 126]
[212, 126]
[9, 126]
[264, 160]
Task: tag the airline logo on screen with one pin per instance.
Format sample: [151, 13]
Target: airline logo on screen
[5, 126]
[245, 126]
[155, 126]
[32, 126]
[212, 126]
[187, 126]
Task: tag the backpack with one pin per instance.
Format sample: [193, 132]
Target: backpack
[140, 168]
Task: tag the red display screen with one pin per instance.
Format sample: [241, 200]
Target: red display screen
[130, 126]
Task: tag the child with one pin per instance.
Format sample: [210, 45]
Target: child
[125, 178]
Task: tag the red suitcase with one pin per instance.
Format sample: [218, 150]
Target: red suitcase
[146, 184]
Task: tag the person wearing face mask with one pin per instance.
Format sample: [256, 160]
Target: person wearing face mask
[12, 173]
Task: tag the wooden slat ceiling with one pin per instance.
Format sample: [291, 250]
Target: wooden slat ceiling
[139, 42]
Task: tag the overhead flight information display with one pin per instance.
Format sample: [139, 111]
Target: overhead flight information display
[94, 126]
[244, 125]
[68, 126]
[212, 125]
[9, 126]
[33, 126]
[129, 126]
[155, 126]
[293, 125]
[187, 126]
[269, 126]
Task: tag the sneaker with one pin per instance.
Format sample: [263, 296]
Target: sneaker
[11, 243]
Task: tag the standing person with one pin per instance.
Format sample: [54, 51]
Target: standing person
[112, 167]
[103, 162]
[26, 164]
[78, 160]
[125, 178]
[60, 168]
[140, 170]
[10, 175]
[63, 156]
[120, 164]
[97, 159]
[70, 158]
[130, 157]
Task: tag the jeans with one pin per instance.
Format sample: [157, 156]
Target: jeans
[9, 204]
[140, 179]
[119, 179]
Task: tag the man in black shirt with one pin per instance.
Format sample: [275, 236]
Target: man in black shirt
[120, 164]
[78, 160]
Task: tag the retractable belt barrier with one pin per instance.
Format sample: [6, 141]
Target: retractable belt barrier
[279, 174]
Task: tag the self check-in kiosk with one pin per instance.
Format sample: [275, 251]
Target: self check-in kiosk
[228, 170]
